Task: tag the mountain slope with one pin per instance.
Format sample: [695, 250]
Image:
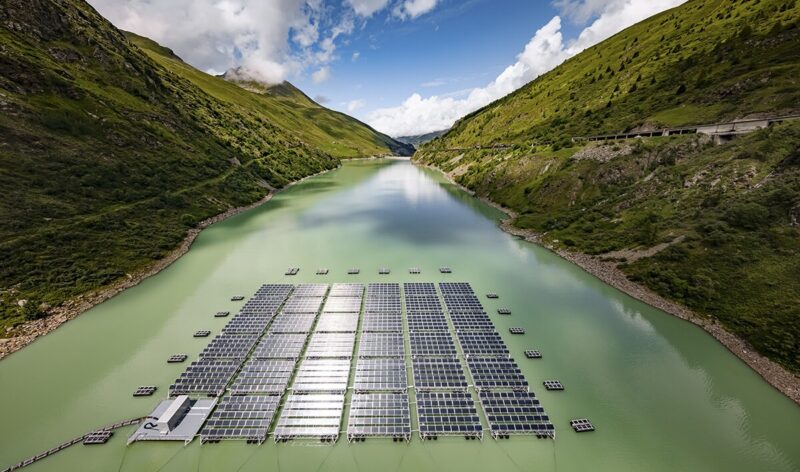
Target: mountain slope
[335, 133]
[421, 139]
[715, 228]
[107, 158]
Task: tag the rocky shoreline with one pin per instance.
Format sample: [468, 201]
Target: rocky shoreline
[781, 379]
[32, 330]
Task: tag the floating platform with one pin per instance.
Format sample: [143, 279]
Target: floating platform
[581, 425]
[221, 314]
[384, 271]
[292, 271]
[203, 333]
[322, 271]
[237, 298]
[414, 270]
[503, 311]
[492, 295]
[533, 354]
[553, 385]
[177, 358]
[144, 391]
[445, 270]
[353, 271]
[516, 330]
[97, 437]
[176, 425]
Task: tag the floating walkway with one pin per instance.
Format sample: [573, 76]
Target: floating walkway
[99, 436]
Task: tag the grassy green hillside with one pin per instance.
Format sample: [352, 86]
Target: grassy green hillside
[729, 215]
[335, 133]
[108, 157]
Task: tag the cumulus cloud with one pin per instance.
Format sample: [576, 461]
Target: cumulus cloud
[546, 50]
[321, 75]
[414, 8]
[356, 56]
[354, 105]
[367, 8]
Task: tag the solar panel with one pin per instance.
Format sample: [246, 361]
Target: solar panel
[310, 290]
[381, 290]
[292, 271]
[421, 321]
[97, 437]
[415, 289]
[337, 322]
[433, 343]
[302, 305]
[533, 354]
[322, 271]
[447, 414]
[516, 330]
[241, 417]
[144, 391]
[414, 270]
[263, 376]
[353, 271]
[244, 323]
[381, 345]
[331, 345]
[515, 413]
[221, 314]
[293, 323]
[382, 305]
[204, 333]
[503, 311]
[382, 322]
[424, 304]
[237, 298]
[229, 346]
[379, 415]
[343, 305]
[553, 385]
[384, 271]
[482, 344]
[280, 346]
[438, 374]
[581, 425]
[208, 377]
[278, 291]
[492, 295]
[310, 416]
[453, 288]
[374, 374]
[177, 358]
[346, 290]
[445, 270]
[322, 375]
[492, 373]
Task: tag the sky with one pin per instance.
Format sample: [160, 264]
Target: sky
[405, 67]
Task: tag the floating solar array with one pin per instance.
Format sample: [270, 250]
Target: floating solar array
[581, 425]
[241, 417]
[293, 323]
[221, 314]
[322, 271]
[447, 414]
[316, 416]
[443, 373]
[343, 305]
[432, 344]
[310, 290]
[98, 437]
[503, 391]
[203, 333]
[144, 391]
[379, 415]
[553, 385]
[292, 271]
[533, 354]
[177, 358]
[245, 323]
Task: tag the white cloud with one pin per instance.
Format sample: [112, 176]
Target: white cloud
[366, 8]
[321, 75]
[546, 50]
[414, 8]
[321, 99]
[354, 105]
[268, 39]
[356, 56]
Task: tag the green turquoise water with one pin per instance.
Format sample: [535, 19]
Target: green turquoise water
[663, 394]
